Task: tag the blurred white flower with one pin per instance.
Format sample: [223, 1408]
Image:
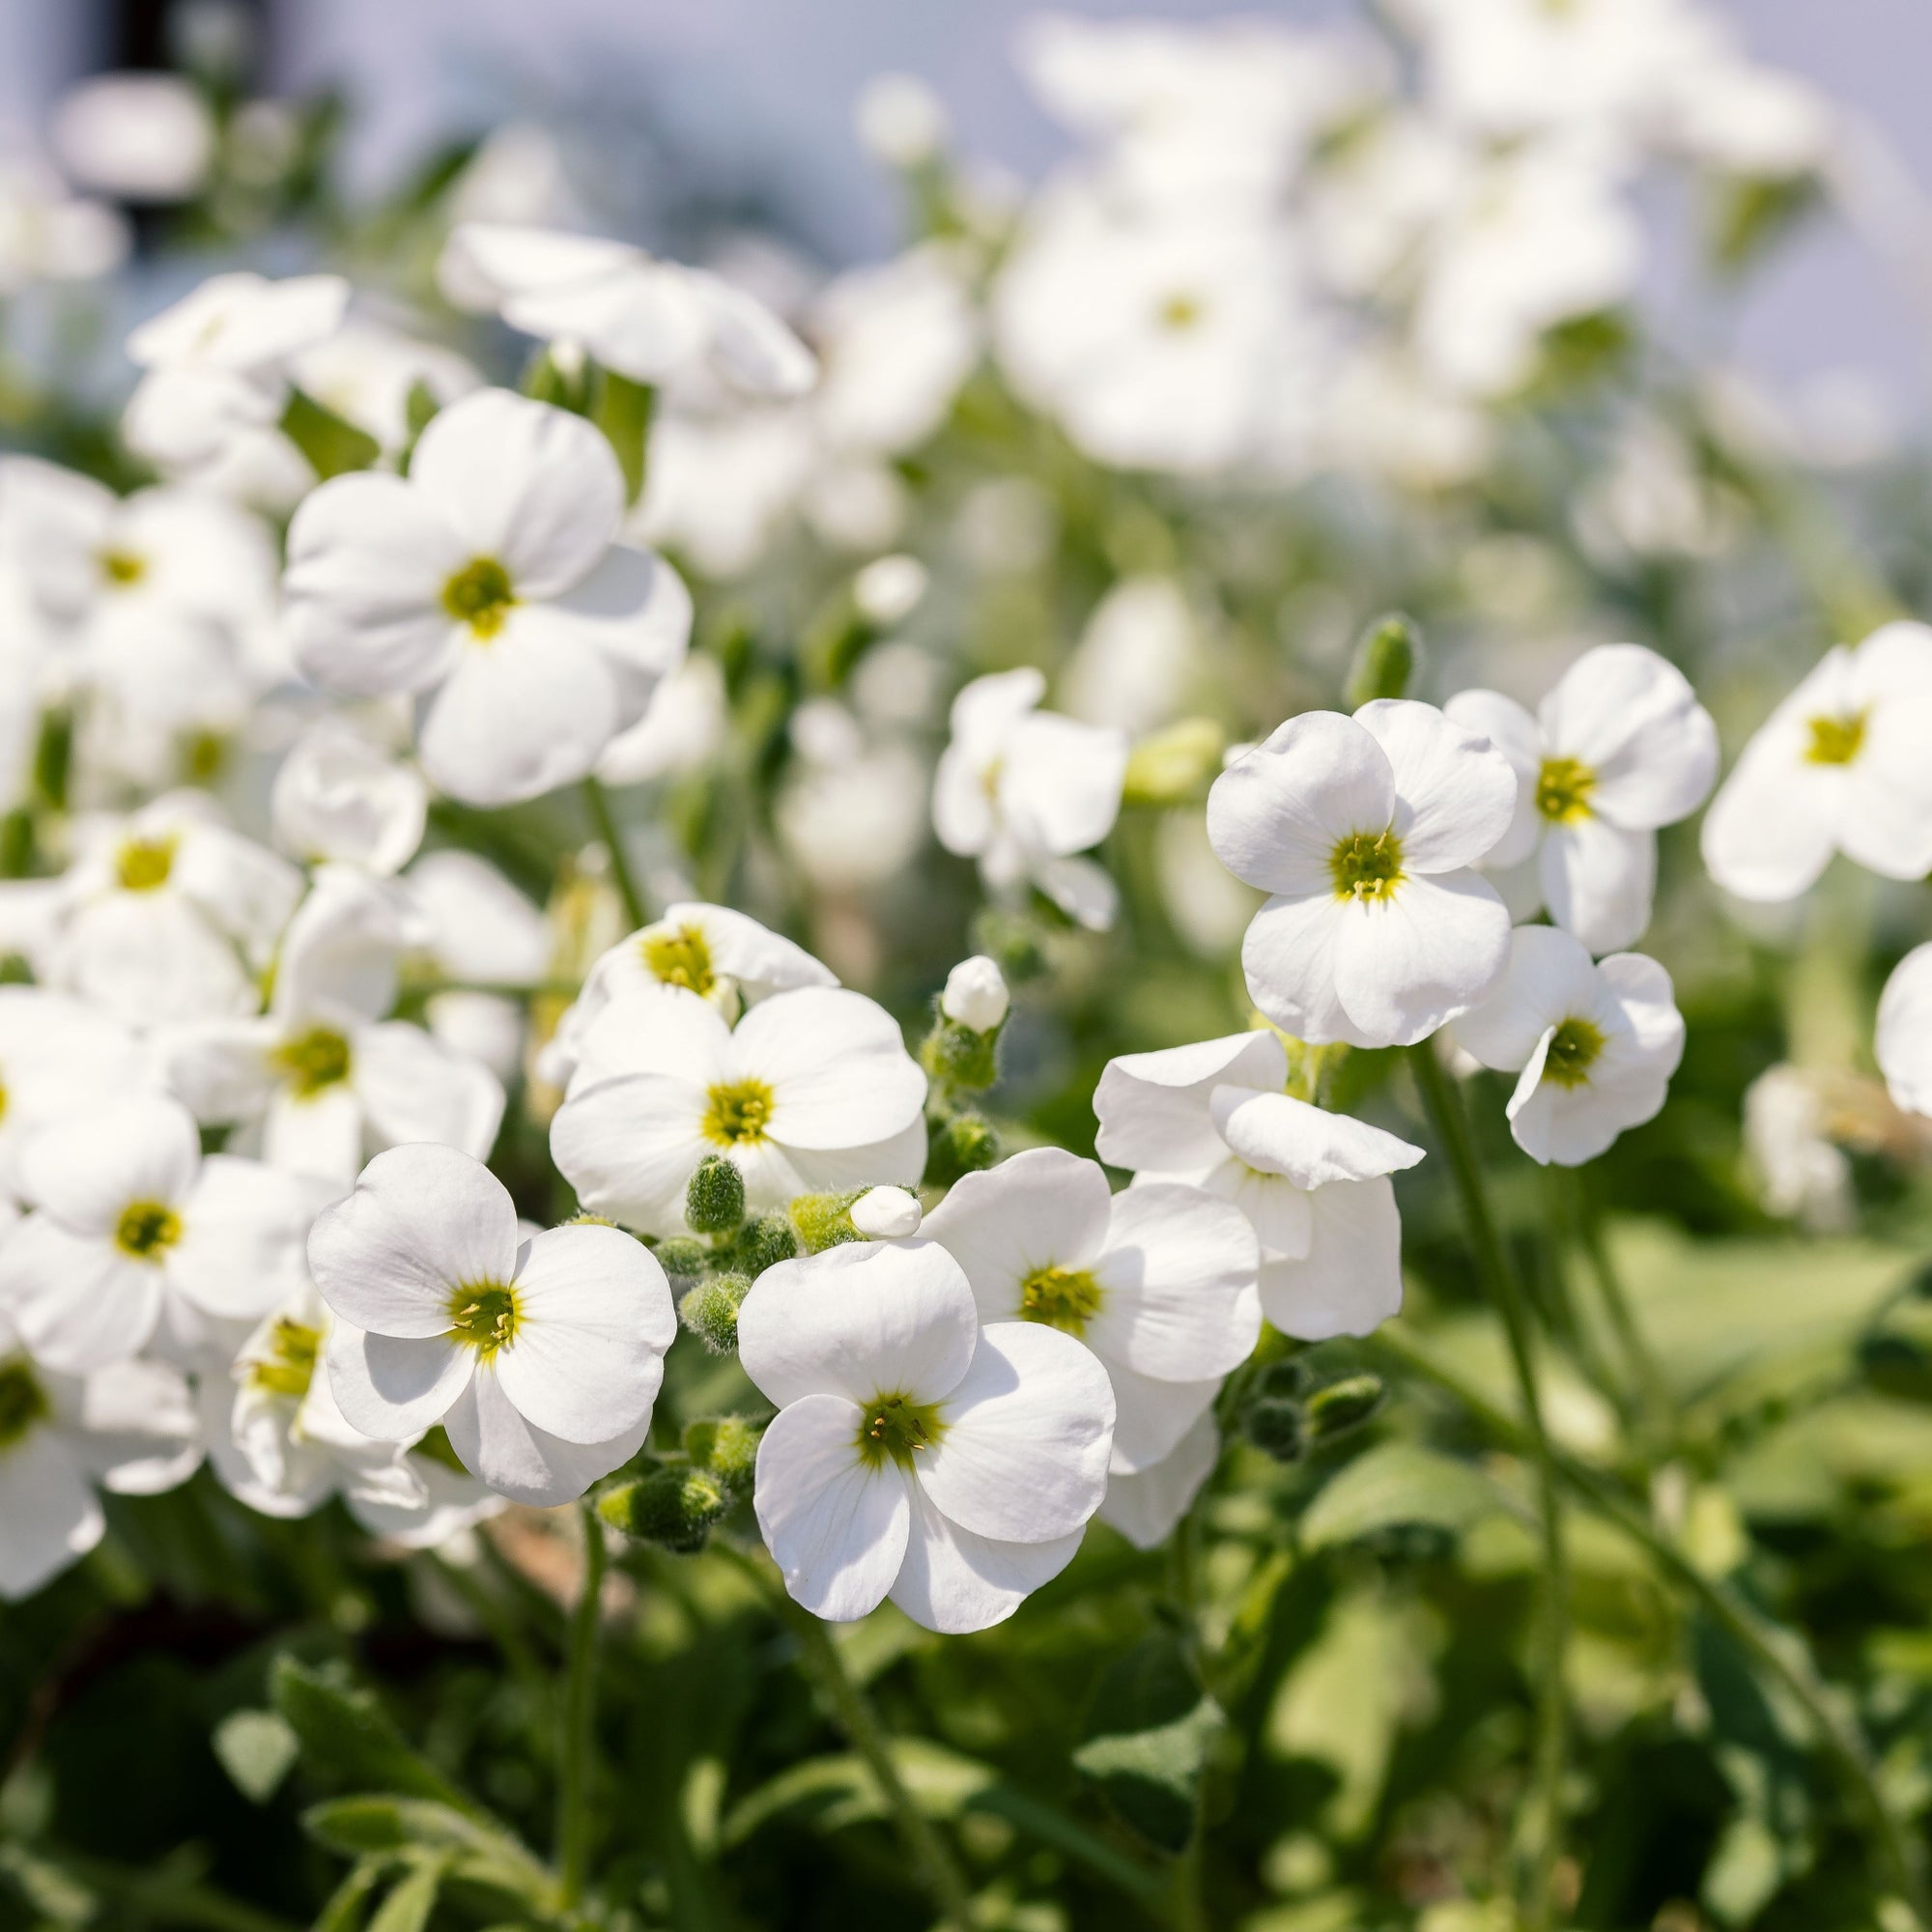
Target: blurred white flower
[1364, 830]
[1136, 656]
[1314, 1185]
[338, 795]
[541, 1357]
[851, 812]
[1840, 766]
[48, 235]
[58, 1057]
[146, 137]
[366, 371]
[1023, 790]
[1801, 1172]
[490, 577]
[890, 588]
[1619, 747]
[1904, 1042]
[1145, 1505]
[975, 994]
[916, 1454]
[900, 120]
[1594, 1044]
[718, 486]
[517, 176]
[680, 732]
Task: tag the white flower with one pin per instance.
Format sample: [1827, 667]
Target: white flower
[1364, 830]
[541, 1357]
[890, 588]
[680, 732]
[132, 1228]
[1595, 1045]
[718, 486]
[326, 1076]
[48, 236]
[131, 1427]
[1023, 790]
[1800, 1170]
[651, 321]
[1840, 766]
[916, 1454]
[58, 1057]
[1904, 1042]
[900, 120]
[339, 795]
[1312, 1184]
[168, 915]
[1136, 656]
[136, 136]
[722, 955]
[1158, 1282]
[474, 925]
[1619, 747]
[1146, 1505]
[886, 1213]
[975, 994]
[814, 1090]
[851, 812]
[489, 578]
[366, 373]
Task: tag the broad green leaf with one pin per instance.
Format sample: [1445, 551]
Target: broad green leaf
[349, 1735]
[256, 1750]
[333, 446]
[1153, 1729]
[1397, 1484]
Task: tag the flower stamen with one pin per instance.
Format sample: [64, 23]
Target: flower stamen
[1563, 789]
[738, 1113]
[1835, 741]
[313, 1062]
[486, 1315]
[143, 865]
[146, 1229]
[288, 1367]
[1367, 866]
[24, 1402]
[898, 1426]
[680, 958]
[1574, 1049]
[1063, 1298]
[480, 595]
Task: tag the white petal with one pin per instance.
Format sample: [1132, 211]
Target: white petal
[76, 1302]
[1152, 1417]
[340, 959]
[647, 1027]
[393, 1388]
[414, 1087]
[220, 1069]
[1410, 964]
[1516, 735]
[1179, 1277]
[1456, 793]
[1770, 831]
[1060, 782]
[859, 1321]
[953, 1581]
[1904, 1041]
[141, 1435]
[634, 609]
[1634, 720]
[629, 1147]
[836, 1527]
[1549, 977]
[86, 1170]
[319, 1134]
[1154, 1107]
[1288, 958]
[521, 1462]
[1023, 1455]
[51, 1516]
[152, 957]
[837, 1064]
[1596, 881]
[243, 1236]
[1084, 891]
[1145, 1505]
[1350, 1280]
[1311, 1146]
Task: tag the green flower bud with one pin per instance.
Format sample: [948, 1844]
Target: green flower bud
[825, 1220]
[1343, 1406]
[727, 1446]
[674, 1504]
[955, 1056]
[1176, 765]
[1384, 660]
[763, 1241]
[710, 1311]
[1274, 1426]
[1284, 1379]
[714, 1199]
[681, 1258]
[961, 1143]
[1012, 941]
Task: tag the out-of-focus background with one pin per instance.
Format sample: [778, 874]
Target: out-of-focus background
[748, 105]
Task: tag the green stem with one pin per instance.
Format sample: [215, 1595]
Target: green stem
[578, 1743]
[1657, 1406]
[606, 824]
[1778, 1651]
[1543, 1815]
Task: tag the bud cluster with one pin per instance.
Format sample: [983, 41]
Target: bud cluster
[1287, 1413]
[675, 1500]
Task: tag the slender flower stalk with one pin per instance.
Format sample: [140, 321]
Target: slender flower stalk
[577, 1748]
[598, 800]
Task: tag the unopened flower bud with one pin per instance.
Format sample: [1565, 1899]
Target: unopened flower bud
[714, 1201]
[710, 1311]
[975, 994]
[955, 1056]
[681, 1258]
[726, 1446]
[964, 1143]
[825, 1220]
[1274, 1426]
[1014, 941]
[674, 1505]
[763, 1241]
[1343, 1406]
[1176, 764]
[1384, 661]
[887, 1214]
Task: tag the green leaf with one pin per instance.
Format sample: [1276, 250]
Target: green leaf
[408, 1907]
[1398, 1484]
[343, 1911]
[372, 1824]
[256, 1750]
[348, 1735]
[1153, 1729]
[55, 1896]
[622, 409]
[332, 445]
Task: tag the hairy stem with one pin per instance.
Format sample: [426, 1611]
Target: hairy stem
[578, 1743]
[604, 823]
[1543, 1835]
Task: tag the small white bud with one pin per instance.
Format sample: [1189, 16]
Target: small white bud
[887, 1214]
[889, 589]
[975, 995]
[900, 120]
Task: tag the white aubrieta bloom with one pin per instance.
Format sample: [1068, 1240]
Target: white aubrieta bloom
[541, 1357]
[812, 1090]
[1840, 766]
[136, 1237]
[1158, 1282]
[1364, 830]
[490, 580]
[722, 955]
[326, 1077]
[1023, 790]
[652, 321]
[130, 1428]
[975, 994]
[916, 1454]
[1313, 1185]
[58, 1057]
[1146, 1505]
[168, 915]
[1619, 748]
[1904, 1042]
[1595, 1043]
[339, 795]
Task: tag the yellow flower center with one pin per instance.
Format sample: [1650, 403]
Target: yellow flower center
[146, 1229]
[313, 1061]
[24, 1402]
[1573, 1050]
[480, 596]
[738, 1113]
[681, 958]
[1563, 789]
[896, 1426]
[144, 864]
[1835, 741]
[288, 1367]
[1179, 313]
[1367, 865]
[123, 568]
[1063, 1298]
[484, 1314]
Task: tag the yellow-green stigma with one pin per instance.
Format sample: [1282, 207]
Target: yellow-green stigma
[1367, 865]
[1835, 741]
[1573, 1050]
[898, 1427]
[146, 1229]
[24, 1402]
[480, 596]
[123, 568]
[1064, 1299]
[1563, 789]
[288, 1367]
[313, 1061]
[486, 1315]
[144, 864]
[681, 958]
[738, 1112]
[1179, 313]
